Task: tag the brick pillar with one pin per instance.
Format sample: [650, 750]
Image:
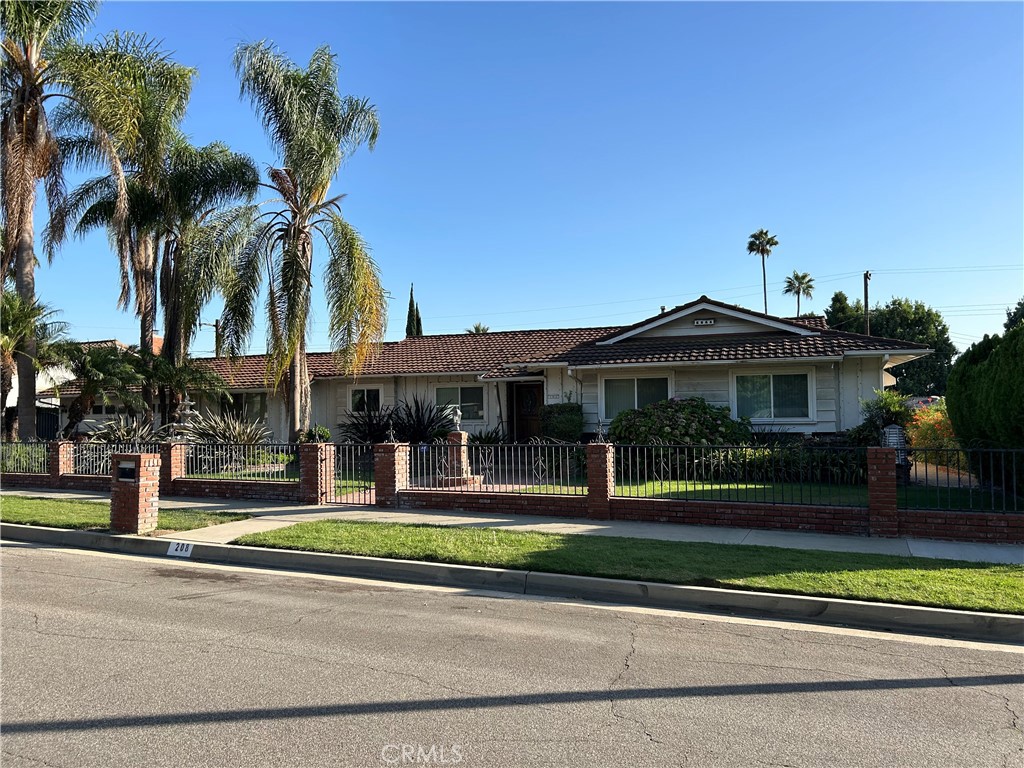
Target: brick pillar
[135, 501]
[600, 480]
[316, 473]
[390, 472]
[61, 460]
[458, 455]
[883, 518]
[172, 465]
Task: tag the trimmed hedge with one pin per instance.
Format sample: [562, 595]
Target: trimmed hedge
[562, 421]
[680, 422]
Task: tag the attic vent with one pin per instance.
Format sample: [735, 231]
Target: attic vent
[706, 321]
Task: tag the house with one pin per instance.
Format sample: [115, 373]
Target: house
[787, 374]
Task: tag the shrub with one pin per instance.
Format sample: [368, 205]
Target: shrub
[680, 422]
[888, 407]
[128, 430]
[316, 434]
[932, 429]
[421, 421]
[368, 426]
[494, 436]
[207, 428]
[562, 421]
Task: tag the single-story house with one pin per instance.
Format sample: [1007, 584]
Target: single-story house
[791, 374]
[787, 374]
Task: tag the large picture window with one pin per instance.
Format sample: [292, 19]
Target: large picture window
[361, 400]
[248, 406]
[624, 394]
[773, 396]
[469, 399]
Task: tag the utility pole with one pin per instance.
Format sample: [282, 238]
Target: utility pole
[867, 314]
[216, 335]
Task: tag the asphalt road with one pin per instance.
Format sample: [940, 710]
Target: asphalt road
[121, 661]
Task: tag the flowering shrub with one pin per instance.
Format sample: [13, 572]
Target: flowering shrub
[679, 422]
[931, 428]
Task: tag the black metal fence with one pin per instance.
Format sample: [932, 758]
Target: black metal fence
[554, 468]
[236, 461]
[972, 479]
[832, 476]
[94, 458]
[353, 474]
[32, 458]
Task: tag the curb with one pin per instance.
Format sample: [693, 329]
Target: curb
[965, 625]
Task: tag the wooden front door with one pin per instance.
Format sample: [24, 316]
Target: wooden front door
[527, 398]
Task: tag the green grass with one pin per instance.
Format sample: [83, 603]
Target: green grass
[95, 516]
[939, 583]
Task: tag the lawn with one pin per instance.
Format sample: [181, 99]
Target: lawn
[95, 516]
[939, 583]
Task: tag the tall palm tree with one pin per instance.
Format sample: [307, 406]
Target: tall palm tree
[799, 284]
[314, 129]
[42, 60]
[22, 322]
[156, 96]
[761, 243]
[478, 328]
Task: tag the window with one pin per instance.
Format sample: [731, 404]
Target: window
[469, 399]
[625, 394]
[773, 396]
[249, 406]
[364, 400]
[100, 409]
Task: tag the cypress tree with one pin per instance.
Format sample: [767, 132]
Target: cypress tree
[413, 323]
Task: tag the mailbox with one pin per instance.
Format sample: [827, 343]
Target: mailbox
[127, 471]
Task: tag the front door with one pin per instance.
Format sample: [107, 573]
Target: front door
[527, 398]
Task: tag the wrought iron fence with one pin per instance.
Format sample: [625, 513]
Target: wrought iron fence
[31, 458]
[94, 458]
[832, 476]
[353, 474]
[236, 461]
[555, 468]
[972, 479]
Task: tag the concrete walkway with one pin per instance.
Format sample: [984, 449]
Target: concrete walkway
[268, 516]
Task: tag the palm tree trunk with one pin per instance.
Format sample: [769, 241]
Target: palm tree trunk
[6, 385]
[798, 303]
[77, 410]
[25, 283]
[764, 281]
[147, 320]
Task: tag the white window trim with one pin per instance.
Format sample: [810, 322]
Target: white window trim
[354, 388]
[670, 375]
[461, 386]
[812, 393]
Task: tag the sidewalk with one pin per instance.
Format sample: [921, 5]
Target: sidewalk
[268, 516]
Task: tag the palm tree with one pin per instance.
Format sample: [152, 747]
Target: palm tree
[154, 90]
[104, 372]
[43, 59]
[478, 328]
[314, 129]
[761, 243]
[799, 284]
[23, 322]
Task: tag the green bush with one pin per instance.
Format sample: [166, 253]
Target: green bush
[126, 430]
[316, 434]
[562, 421]
[207, 428]
[680, 422]
[494, 436]
[888, 407]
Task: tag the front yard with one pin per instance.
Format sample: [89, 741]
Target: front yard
[95, 516]
[914, 581]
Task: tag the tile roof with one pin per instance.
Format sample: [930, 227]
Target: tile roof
[515, 354]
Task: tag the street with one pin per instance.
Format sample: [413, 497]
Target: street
[124, 661]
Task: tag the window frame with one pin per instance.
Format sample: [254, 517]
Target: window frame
[601, 405]
[812, 390]
[460, 387]
[353, 389]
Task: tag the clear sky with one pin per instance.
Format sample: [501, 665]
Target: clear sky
[556, 165]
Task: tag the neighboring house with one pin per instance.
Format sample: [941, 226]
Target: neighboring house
[784, 374]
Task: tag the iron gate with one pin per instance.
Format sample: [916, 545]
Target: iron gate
[353, 474]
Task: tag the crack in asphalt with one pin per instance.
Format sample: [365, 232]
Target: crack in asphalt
[35, 760]
[626, 662]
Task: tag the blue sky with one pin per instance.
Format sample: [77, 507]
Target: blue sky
[556, 165]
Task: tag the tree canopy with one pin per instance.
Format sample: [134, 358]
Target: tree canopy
[906, 320]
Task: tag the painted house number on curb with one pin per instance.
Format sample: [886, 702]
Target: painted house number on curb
[180, 549]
